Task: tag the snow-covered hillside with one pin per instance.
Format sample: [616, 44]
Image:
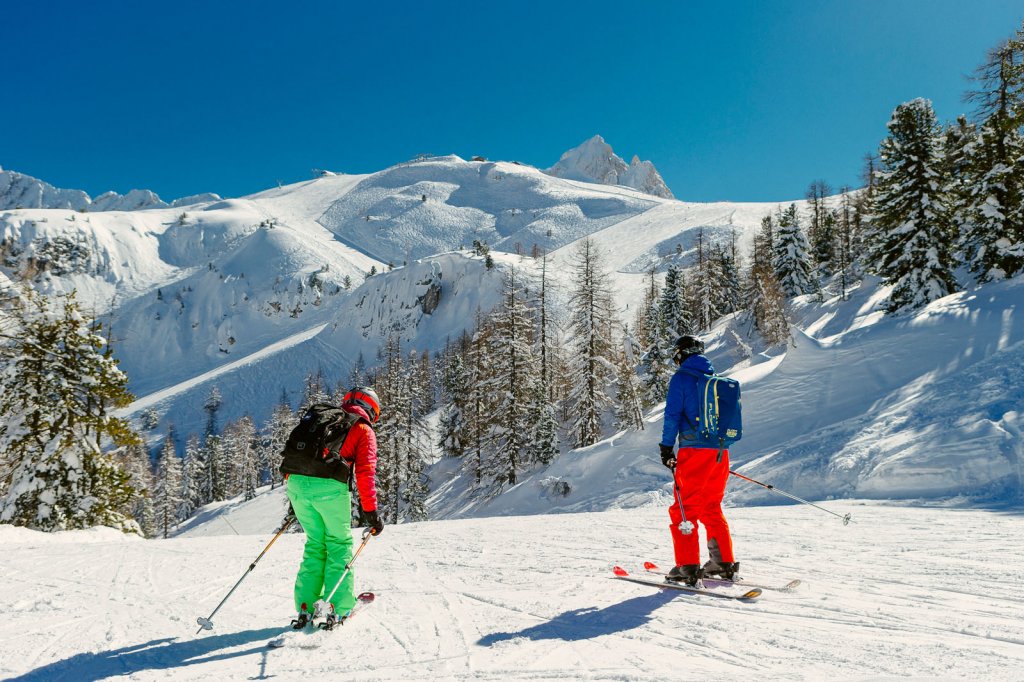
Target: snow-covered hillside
[195, 293]
[249, 295]
[528, 598]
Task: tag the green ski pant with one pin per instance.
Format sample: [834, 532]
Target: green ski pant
[323, 507]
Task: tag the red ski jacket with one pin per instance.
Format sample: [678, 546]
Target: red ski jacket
[360, 451]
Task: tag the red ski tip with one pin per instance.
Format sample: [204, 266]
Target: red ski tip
[650, 566]
[620, 571]
[366, 597]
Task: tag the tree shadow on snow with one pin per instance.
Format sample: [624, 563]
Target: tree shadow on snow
[157, 654]
[591, 622]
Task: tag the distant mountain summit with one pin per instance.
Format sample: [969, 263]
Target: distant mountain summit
[594, 161]
[18, 190]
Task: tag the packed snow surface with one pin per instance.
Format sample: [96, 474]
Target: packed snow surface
[902, 592]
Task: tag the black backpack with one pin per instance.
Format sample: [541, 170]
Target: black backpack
[312, 446]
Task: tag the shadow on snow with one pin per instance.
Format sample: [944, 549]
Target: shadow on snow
[590, 622]
[157, 654]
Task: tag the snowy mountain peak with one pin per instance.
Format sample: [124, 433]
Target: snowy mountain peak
[595, 161]
[18, 190]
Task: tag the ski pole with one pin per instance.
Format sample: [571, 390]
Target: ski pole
[846, 518]
[348, 567]
[207, 623]
[685, 527]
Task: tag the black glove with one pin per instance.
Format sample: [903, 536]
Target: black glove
[668, 456]
[372, 521]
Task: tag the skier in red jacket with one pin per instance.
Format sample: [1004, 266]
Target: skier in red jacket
[322, 503]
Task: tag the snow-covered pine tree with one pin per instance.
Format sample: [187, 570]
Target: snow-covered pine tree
[415, 447]
[59, 384]
[645, 320]
[479, 414]
[592, 364]
[730, 296]
[390, 386]
[670, 321]
[134, 461]
[241, 453]
[167, 492]
[218, 469]
[844, 242]
[211, 406]
[315, 391]
[196, 485]
[454, 438]
[792, 260]
[765, 299]
[629, 388]
[911, 246]
[994, 238]
[272, 438]
[820, 230]
[959, 144]
[542, 442]
[705, 286]
[674, 318]
[513, 372]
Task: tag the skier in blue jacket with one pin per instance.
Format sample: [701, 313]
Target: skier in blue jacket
[699, 477]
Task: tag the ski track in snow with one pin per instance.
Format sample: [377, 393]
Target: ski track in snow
[532, 598]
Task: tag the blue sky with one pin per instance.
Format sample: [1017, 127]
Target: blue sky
[741, 101]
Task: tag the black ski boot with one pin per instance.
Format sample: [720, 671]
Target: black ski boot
[304, 619]
[688, 575]
[332, 619]
[721, 570]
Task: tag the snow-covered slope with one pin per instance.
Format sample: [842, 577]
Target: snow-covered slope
[594, 161]
[422, 305]
[528, 598]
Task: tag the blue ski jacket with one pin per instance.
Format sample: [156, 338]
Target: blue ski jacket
[682, 406]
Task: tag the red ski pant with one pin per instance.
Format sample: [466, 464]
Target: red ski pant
[700, 485]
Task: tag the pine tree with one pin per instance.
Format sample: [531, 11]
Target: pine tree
[542, 442]
[272, 438]
[59, 383]
[454, 438]
[730, 291]
[134, 461]
[765, 299]
[479, 414]
[821, 229]
[196, 484]
[792, 261]
[243, 461]
[513, 372]
[629, 399]
[994, 232]
[844, 242]
[167, 491]
[592, 364]
[911, 248]
[959, 145]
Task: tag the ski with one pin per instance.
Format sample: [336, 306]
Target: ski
[652, 567]
[308, 638]
[749, 595]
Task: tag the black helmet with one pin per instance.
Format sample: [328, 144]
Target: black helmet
[686, 346]
[366, 398]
